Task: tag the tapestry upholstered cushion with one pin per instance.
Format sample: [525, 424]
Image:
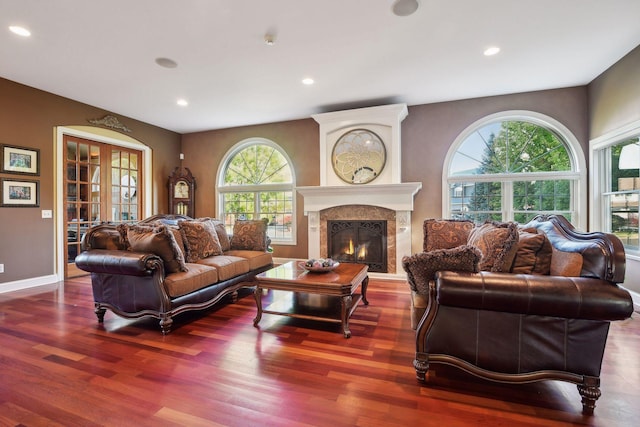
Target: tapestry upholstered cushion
[158, 240]
[498, 243]
[223, 237]
[422, 267]
[445, 233]
[200, 238]
[249, 235]
[567, 264]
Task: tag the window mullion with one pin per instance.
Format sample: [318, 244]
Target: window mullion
[507, 200]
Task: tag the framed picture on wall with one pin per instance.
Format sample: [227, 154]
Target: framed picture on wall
[20, 160]
[20, 193]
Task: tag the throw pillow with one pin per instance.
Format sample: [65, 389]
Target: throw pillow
[422, 267]
[498, 243]
[529, 244]
[543, 257]
[200, 238]
[223, 237]
[249, 235]
[158, 240]
[445, 233]
[567, 264]
[123, 228]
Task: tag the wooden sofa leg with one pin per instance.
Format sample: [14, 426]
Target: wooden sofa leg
[421, 363]
[100, 313]
[165, 325]
[234, 297]
[590, 392]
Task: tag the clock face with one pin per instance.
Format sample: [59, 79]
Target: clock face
[181, 190]
[358, 156]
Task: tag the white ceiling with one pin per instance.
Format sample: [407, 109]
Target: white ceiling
[103, 53]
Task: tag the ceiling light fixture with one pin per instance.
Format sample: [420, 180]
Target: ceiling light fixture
[491, 51]
[182, 102]
[269, 39]
[307, 81]
[166, 62]
[21, 31]
[404, 7]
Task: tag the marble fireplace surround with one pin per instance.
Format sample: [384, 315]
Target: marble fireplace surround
[386, 198]
[390, 202]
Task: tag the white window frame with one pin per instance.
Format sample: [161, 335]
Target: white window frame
[600, 176]
[222, 189]
[576, 155]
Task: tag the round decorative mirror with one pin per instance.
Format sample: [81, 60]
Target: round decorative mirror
[358, 156]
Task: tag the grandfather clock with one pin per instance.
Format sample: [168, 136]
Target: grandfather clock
[182, 188]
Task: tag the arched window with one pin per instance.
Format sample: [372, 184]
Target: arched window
[512, 166]
[256, 181]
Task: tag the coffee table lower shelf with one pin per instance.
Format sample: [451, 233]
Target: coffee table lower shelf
[342, 283]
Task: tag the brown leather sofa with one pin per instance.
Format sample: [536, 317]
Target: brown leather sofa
[134, 283]
[519, 328]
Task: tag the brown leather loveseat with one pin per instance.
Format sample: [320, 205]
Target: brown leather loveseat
[540, 311]
[169, 264]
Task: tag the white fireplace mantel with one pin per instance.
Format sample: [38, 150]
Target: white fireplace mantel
[397, 197]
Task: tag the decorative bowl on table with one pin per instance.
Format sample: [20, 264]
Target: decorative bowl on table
[320, 265]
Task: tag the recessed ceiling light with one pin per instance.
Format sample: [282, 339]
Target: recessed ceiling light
[307, 81]
[182, 102]
[404, 7]
[21, 31]
[491, 51]
[166, 62]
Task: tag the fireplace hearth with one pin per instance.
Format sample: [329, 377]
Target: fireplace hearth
[359, 241]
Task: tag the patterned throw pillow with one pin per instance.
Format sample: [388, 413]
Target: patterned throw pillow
[422, 267]
[223, 237]
[200, 238]
[498, 243]
[158, 240]
[445, 233]
[249, 235]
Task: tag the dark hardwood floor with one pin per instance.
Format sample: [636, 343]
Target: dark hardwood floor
[59, 367]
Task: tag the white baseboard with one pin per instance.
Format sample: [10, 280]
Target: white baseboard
[33, 282]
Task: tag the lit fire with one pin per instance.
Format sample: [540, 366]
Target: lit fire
[360, 252]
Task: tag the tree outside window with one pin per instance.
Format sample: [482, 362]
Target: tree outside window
[257, 183]
[511, 170]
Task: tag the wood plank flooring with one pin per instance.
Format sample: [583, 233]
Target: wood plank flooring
[59, 367]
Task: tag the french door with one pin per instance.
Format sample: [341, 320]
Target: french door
[102, 182]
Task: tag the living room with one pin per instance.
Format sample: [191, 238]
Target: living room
[30, 254]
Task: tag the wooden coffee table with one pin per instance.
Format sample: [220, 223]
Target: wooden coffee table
[342, 282]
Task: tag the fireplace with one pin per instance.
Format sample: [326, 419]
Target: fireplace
[386, 198]
[360, 241]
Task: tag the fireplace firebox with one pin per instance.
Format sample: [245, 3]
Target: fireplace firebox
[359, 241]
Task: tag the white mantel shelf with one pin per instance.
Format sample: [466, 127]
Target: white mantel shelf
[397, 197]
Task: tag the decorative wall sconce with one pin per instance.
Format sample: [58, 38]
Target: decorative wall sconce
[402, 220]
[313, 220]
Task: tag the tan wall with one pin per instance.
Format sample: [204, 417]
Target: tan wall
[614, 97]
[299, 139]
[427, 134]
[429, 130]
[28, 118]
[614, 101]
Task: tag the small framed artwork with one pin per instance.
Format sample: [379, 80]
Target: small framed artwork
[20, 193]
[20, 160]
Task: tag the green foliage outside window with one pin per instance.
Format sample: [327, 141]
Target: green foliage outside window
[261, 182]
[505, 150]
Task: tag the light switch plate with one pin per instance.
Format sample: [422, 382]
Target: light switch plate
[47, 213]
